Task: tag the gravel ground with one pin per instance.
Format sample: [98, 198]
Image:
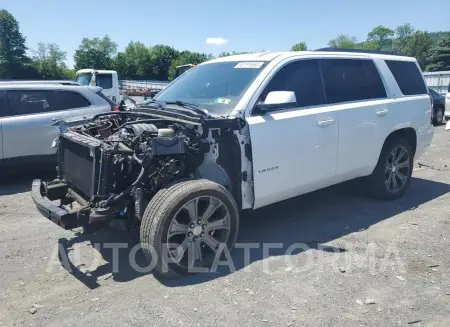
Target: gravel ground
[357, 262]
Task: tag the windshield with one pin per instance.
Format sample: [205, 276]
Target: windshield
[84, 79]
[216, 87]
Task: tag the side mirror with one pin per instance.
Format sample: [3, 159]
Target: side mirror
[278, 100]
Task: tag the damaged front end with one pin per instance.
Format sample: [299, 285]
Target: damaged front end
[111, 165]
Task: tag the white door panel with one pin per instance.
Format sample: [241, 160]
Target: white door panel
[294, 152]
[361, 135]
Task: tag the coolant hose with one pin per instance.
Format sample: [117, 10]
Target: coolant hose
[128, 190]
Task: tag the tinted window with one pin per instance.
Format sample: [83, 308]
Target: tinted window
[104, 80]
[408, 77]
[23, 102]
[2, 104]
[71, 100]
[351, 80]
[302, 77]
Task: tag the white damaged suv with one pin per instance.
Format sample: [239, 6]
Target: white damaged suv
[237, 133]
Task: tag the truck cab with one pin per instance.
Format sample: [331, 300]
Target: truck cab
[106, 79]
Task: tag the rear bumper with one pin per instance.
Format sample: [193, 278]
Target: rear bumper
[61, 217]
[424, 139]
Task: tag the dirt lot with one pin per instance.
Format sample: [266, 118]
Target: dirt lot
[359, 262]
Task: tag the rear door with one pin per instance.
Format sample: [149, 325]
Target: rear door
[26, 127]
[355, 90]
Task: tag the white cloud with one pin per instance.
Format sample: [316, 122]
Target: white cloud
[216, 41]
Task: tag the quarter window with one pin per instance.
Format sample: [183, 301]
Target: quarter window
[302, 77]
[408, 77]
[71, 100]
[351, 80]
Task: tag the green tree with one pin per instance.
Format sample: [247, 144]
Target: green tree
[367, 45]
[13, 59]
[418, 46]
[380, 35]
[301, 46]
[95, 53]
[162, 57]
[439, 55]
[48, 59]
[187, 57]
[135, 62]
[69, 73]
[343, 41]
[403, 34]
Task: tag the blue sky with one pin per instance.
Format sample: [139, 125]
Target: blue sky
[246, 25]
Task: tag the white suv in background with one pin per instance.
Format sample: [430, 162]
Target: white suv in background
[242, 132]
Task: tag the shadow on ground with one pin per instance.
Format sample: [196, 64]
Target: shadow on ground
[20, 181]
[312, 219]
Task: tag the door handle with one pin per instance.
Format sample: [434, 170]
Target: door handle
[322, 123]
[382, 112]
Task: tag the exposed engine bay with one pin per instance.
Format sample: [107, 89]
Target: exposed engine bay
[113, 164]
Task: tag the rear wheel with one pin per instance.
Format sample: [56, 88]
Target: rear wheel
[185, 224]
[438, 118]
[392, 175]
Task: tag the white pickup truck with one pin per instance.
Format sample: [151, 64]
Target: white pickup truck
[108, 80]
[239, 133]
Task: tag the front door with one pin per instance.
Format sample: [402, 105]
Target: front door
[294, 150]
[26, 128]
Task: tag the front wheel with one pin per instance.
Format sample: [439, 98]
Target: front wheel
[185, 224]
[392, 175]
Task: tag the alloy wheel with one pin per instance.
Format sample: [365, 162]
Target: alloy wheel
[197, 230]
[397, 169]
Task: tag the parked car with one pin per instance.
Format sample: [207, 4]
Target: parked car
[447, 104]
[28, 112]
[238, 133]
[438, 107]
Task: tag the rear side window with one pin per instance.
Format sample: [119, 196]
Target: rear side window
[351, 80]
[104, 81]
[302, 77]
[25, 102]
[408, 77]
[71, 100]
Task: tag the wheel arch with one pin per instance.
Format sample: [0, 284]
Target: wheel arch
[407, 133]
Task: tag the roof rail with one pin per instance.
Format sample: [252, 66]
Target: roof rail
[392, 53]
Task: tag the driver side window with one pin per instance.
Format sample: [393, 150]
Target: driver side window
[304, 78]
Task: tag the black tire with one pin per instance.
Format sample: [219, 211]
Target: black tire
[438, 118]
[378, 180]
[161, 211]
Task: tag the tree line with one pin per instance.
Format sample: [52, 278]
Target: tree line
[432, 50]
[158, 62]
